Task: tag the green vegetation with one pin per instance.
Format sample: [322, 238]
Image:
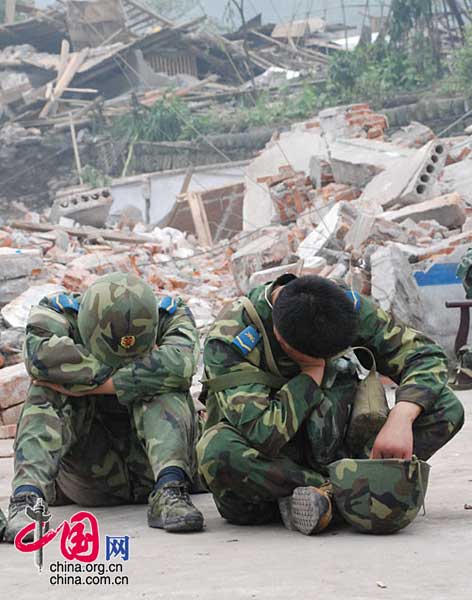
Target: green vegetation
[406, 57]
[459, 81]
[375, 72]
[93, 177]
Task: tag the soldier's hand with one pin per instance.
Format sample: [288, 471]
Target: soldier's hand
[395, 439]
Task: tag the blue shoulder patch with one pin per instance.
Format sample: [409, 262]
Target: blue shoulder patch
[168, 304]
[356, 299]
[247, 340]
[62, 302]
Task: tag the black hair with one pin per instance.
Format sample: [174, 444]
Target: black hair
[315, 316]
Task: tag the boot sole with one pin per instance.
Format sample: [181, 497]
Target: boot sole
[177, 525]
[9, 538]
[303, 510]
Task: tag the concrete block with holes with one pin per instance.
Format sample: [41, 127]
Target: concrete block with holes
[409, 180]
[85, 206]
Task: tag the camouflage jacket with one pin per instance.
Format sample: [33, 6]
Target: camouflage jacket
[464, 272]
[269, 419]
[54, 352]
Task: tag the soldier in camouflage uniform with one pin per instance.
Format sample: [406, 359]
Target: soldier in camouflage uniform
[463, 379]
[273, 429]
[109, 419]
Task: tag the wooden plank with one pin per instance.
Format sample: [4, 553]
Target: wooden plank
[64, 58]
[68, 75]
[187, 180]
[307, 53]
[200, 219]
[149, 11]
[82, 232]
[10, 11]
[76, 147]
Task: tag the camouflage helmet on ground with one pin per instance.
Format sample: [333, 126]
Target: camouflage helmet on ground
[379, 496]
[118, 318]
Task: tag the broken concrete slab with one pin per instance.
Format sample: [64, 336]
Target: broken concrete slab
[331, 232]
[271, 248]
[14, 384]
[394, 287]
[438, 283]
[11, 288]
[262, 277]
[407, 180]
[15, 313]
[448, 210]
[355, 162]
[15, 262]
[414, 135]
[373, 229]
[291, 149]
[458, 178]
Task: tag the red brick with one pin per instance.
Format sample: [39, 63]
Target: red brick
[374, 133]
[11, 415]
[7, 432]
[14, 384]
[359, 107]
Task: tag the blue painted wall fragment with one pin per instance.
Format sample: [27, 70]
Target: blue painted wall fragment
[439, 274]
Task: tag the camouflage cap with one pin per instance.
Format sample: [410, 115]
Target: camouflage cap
[118, 318]
[379, 496]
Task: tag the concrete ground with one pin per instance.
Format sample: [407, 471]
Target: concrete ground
[432, 559]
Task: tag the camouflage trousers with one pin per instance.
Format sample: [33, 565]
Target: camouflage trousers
[94, 451]
[246, 484]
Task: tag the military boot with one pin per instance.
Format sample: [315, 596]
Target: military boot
[308, 510]
[17, 518]
[171, 508]
[3, 524]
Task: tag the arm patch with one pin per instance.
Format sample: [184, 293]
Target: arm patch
[247, 340]
[355, 298]
[62, 302]
[168, 304]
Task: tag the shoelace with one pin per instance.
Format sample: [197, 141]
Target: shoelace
[175, 494]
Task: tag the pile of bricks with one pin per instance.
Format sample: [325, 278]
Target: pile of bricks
[14, 384]
[338, 192]
[291, 193]
[369, 123]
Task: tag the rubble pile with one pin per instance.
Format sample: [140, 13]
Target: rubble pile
[35, 265]
[389, 215]
[331, 197]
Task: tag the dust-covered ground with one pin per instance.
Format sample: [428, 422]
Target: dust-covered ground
[431, 559]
